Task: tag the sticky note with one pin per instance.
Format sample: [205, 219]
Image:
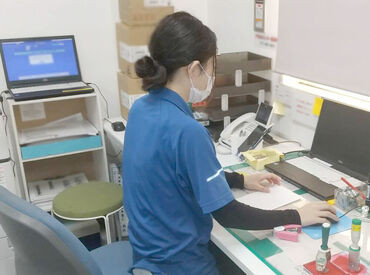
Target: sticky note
[317, 106]
[279, 108]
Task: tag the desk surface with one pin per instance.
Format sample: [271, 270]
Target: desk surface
[293, 255]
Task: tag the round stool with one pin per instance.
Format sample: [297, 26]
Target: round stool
[88, 201]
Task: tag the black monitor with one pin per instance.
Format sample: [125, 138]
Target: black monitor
[342, 138]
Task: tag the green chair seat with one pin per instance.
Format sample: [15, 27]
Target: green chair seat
[88, 200]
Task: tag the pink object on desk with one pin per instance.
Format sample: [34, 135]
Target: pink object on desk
[288, 232]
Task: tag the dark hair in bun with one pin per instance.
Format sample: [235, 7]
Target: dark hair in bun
[152, 73]
[178, 40]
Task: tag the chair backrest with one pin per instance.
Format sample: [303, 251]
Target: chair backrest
[42, 245]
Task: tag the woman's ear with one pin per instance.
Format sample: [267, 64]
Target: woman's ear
[193, 68]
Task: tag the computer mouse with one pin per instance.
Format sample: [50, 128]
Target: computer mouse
[118, 126]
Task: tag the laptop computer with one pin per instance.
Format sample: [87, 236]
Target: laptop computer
[42, 67]
[340, 148]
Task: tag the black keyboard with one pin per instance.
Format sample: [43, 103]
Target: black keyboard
[303, 179]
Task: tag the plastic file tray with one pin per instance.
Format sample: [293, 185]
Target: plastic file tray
[227, 63]
[60, 147]
[251, 84]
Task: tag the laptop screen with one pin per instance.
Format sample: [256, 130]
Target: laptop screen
[39, 60]
[342, 138]
[263, 113]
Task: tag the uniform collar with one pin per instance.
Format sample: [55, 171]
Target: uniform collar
[173, 97]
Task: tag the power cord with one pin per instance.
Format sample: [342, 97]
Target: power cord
[357, 207]
[105, 100]
[3, 110]
[116, 155]
[108, 116]
[6, 123]
[290, 141]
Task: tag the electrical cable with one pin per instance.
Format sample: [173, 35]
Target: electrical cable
[289, 141]
[6, 123]
[3, 110]
[116, 155]
[349, 211]
[106, 102]
[297, 151]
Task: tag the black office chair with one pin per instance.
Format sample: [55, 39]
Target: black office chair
[42, 245]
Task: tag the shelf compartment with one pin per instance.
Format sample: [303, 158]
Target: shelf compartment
[62, 166]
[251, 84]
[56, 148]
[216, 114]
[246, 61]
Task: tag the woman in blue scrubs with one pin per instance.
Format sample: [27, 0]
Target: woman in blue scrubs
[173, 182]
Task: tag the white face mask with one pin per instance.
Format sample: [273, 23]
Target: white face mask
[196, 95]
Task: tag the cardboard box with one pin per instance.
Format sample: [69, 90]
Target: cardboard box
[144, 12]
[129, 91]
[132, 44]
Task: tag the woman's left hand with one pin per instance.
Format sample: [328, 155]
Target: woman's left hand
[261, 182]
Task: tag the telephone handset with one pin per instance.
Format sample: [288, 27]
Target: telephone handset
[237, 124]
[246, 132]
[235, 134]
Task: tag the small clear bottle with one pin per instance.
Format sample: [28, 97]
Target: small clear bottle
[354, 259]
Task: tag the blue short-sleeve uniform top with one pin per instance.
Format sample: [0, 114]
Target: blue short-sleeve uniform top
[172, 182]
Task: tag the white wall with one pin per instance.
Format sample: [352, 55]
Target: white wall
[232, 21]
[198, 8]
[92, 23]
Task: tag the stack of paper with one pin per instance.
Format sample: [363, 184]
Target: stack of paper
[44, 191]
[71, 126]
[277, 197]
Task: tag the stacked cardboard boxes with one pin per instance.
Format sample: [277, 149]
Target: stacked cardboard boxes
[138, 21]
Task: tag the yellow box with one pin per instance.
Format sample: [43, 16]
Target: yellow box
[259, 158]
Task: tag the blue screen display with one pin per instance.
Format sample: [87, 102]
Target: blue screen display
[40, 59]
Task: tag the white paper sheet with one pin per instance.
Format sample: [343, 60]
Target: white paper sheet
[35, 111]
[71, 126]
[277, 197]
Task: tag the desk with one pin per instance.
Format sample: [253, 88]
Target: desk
[293, 254]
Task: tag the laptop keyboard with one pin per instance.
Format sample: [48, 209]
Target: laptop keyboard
[49, 87]
[322, 171]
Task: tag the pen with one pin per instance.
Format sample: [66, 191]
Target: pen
[354, 188]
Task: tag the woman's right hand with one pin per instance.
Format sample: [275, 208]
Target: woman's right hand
[317, 212]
